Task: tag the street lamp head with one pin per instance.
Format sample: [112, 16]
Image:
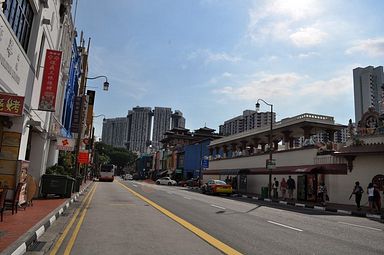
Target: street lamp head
[257, 106]
[106, 86]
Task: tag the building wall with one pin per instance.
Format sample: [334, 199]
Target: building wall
[249, 120]
[161, 124]
[115, 132]
[368, 90]
[287, 158]
[364, 169]
[139, 131]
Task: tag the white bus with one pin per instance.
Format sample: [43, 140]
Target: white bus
[107, 173]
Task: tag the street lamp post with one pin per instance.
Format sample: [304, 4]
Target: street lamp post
[105, 84]
[81, 117]
[269, 168]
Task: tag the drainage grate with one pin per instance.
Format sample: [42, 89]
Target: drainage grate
[36, 246]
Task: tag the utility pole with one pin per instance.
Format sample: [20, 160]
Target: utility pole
[83, 82]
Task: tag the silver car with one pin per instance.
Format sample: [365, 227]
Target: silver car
[166, 181]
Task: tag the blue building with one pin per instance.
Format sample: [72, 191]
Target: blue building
[193, 156]
[71, 90]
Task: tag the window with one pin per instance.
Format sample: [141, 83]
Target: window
[19, 14]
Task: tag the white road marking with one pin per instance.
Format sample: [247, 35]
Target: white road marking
[219, 207]
[134, 185]
[285, 226]
[188, 198]
[350, 224]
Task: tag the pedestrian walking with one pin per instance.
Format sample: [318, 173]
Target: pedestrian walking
[283, 188]
[358, 192]
[275, 186]
[376, 198]
[322, 195]
[370, 192]
[291, 186]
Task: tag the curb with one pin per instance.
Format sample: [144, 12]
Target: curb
[20, 245]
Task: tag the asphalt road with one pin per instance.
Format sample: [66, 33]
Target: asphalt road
[254, 228]
[120, 220]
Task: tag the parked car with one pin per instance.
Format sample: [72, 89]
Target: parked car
[166, 181]
[193, 182]
[128, 177]
[216, 187]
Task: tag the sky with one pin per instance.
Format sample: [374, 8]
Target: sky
[213, 59]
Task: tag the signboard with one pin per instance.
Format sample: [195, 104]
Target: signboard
[50, 80]
[65, 144]
[271, 164]
[204, 163]
[91, 101]
[11, 105]
[83, 157]
[76, 115]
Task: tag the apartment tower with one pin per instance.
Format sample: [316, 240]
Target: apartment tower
[368, 84]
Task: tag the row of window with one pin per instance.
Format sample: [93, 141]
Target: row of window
[19, 14]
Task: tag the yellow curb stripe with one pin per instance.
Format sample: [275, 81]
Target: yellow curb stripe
[79, 223]
[68, 227]
[200, 233]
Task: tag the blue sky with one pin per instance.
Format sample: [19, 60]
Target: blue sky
[212, 59]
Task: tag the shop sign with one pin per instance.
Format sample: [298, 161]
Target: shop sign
[76, 115]
[91, 100]
[50, 80]
[271, 164]
[83, 157]
[11, 105]
[65, 144]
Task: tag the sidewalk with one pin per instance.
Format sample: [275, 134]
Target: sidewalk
[20, 230]
[341, 209]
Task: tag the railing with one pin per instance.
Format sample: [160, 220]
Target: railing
[329, 159]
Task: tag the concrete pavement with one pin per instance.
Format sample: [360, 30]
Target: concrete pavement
[20, 230]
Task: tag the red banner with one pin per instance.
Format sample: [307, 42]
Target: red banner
[11, 105]
[83, 157]
[50, 79]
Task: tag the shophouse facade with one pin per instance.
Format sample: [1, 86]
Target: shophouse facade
[35, 37]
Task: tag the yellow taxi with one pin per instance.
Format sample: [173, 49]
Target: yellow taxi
[216, 187]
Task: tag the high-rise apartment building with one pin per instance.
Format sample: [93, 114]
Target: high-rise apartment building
[136, 132]
[177, 120]
[249, 120]
[368, 86]
[139, 130]
[115, 132]
[161, 124]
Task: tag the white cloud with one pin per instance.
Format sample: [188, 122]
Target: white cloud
[307, 55]
[283, 20]
[372, 47]
[210, 56]
[261, 86]
[288, 87]
[308, 36]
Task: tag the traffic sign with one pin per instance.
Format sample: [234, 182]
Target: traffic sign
[204, 163]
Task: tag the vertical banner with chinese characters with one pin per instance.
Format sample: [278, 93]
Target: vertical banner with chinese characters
[11, 105]
[76, 115]
[50, 79]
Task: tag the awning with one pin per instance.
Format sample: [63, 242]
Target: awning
[227, 171]
[303, 169]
